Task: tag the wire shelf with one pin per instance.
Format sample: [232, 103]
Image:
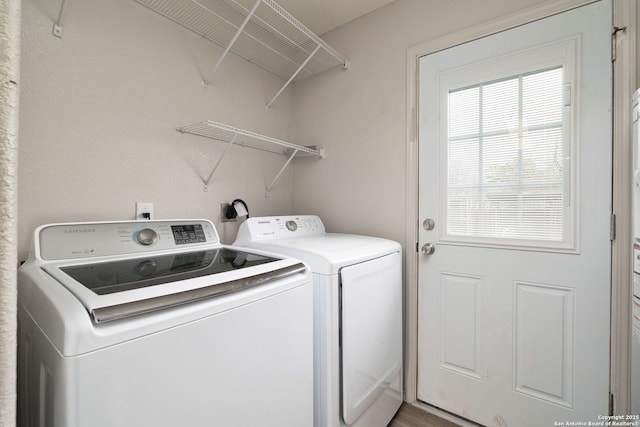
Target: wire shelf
[245, 138]
[236, 136]
[270, 38]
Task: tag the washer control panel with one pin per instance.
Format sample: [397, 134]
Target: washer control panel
[86, 240]
[278, 227]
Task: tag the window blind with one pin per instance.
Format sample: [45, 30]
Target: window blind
[505, 158]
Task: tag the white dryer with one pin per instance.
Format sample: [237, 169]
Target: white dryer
[156, 323]
[357, 316]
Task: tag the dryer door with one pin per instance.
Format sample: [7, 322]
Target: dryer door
[371, 332]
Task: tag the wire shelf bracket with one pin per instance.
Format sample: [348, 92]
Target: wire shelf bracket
[293, 77]
[273, 181]
[57, 26]
[244, 138]
[233, 40]
[222, 156]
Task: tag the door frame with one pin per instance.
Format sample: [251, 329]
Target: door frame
[624, 82]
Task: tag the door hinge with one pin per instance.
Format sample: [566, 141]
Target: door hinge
[612, 228]
[567, 95]
[417, 246]
[614, 35]
[610, 403]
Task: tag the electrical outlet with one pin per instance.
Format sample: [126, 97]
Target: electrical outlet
[143, 208]
[223, 213]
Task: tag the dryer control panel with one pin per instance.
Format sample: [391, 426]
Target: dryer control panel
[278, 227]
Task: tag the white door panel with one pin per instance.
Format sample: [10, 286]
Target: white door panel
[515, 331]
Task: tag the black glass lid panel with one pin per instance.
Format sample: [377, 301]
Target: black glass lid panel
[118, 276]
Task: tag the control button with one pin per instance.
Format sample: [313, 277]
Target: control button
[146, 236]
[292, 225]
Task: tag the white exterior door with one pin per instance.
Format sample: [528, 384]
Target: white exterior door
[515, 172]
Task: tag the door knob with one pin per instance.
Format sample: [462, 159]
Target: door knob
[428, 248]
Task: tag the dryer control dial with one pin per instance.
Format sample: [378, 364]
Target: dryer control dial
[146, 236]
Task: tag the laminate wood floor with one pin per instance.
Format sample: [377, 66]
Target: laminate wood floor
[410, 416]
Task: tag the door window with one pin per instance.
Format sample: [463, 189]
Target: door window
[509, 153]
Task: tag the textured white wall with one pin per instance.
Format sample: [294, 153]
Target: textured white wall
[9, 90]
[98, 111]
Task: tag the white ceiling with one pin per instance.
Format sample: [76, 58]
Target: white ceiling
[321, 16]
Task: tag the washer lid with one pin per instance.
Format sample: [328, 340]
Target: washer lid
[328, 253]
[113, 289]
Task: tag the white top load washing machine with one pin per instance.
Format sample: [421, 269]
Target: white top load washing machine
[358, 316]
[155, 323]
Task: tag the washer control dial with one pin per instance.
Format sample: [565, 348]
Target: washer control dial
[291, 225]
[146, 236]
